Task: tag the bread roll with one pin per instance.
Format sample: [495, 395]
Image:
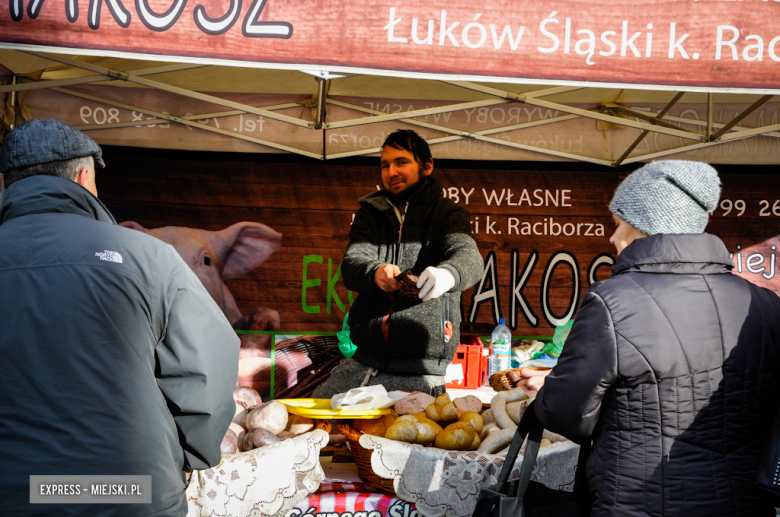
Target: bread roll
[376, 426]
[402, 431]
[475, 419]
[456, 437]
[442, 409]
[425, 433]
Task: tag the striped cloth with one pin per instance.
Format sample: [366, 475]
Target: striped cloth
[336, 499]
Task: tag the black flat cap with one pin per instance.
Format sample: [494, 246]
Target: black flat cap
[41, 141]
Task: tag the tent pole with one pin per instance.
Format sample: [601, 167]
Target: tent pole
[686, 148]
[645, 132]
[172, 89]
[37, 85]
[703, 123]
[741, 116]
[13, 102]
[479, 135]
[458, 132]
[532, 100]
[652, 119]
[709, 115]
[385, 117]
[737, 135]
[186, 122]
[322, 92]
[201, 116]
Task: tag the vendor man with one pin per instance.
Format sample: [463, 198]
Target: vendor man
[405, 340]
[114, 359]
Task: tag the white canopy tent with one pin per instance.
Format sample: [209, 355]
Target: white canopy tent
[367, 53]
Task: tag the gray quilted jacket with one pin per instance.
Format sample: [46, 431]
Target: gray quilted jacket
[672, 368]
[436, 232]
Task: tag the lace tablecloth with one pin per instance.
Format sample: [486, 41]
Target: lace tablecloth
[265, 481]
[446, 483]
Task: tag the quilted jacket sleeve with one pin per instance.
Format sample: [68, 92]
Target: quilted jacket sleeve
[570, 400]
[461, 255]
[360, 260]
[197, 365]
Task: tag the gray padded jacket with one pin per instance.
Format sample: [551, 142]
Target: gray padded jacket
[115, 359]
[436, 232]
[672, 367]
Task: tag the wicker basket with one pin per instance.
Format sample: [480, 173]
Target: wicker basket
[363, 460]
[323, 424]
[298, 357]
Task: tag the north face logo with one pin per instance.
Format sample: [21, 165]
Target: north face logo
[110, 256]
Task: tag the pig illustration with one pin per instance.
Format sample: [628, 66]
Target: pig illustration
[218, 256]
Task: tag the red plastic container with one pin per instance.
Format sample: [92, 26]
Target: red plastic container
[470, 357]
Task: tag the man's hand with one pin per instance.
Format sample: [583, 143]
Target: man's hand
[532, 380]
[434, 282]
[385, 277]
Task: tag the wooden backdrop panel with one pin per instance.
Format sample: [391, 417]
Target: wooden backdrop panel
[524, 211]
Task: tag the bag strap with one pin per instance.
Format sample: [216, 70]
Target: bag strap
[580, 480]
[529, 426]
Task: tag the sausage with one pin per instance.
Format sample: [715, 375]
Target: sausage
[498, 405]
[487, 429]
[496, 441]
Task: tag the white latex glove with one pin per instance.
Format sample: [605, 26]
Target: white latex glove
[434, 282]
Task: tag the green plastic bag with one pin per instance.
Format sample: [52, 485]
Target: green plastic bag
[554, 348]
[346, 345]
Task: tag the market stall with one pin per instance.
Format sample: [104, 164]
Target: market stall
[398, 459]
[590, 89]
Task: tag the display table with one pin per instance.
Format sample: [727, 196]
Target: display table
[270, 480]
[446, 483]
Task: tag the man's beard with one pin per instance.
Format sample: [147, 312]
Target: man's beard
[402, 197]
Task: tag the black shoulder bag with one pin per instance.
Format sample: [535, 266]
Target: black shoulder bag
[768, 479]
[526, 498]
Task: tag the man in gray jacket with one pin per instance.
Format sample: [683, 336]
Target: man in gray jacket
[115, 359]
[405, 340]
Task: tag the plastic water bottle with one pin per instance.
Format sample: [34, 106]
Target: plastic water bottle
[500, 348]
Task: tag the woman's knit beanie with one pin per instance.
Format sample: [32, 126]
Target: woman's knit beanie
[669, 196]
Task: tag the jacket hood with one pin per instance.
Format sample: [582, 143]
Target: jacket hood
[51, 194]
[683, 254]
[428, 192]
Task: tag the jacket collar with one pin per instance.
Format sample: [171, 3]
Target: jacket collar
[425, 194]
[51, 194]
[682, 254]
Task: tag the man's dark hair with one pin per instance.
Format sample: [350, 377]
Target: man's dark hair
[67, 169]
[410, 141]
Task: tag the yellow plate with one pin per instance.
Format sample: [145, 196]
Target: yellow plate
[320, 408]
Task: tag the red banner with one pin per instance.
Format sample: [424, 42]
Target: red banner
[676, 43]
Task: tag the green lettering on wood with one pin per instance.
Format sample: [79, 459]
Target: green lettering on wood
[307, 259]
[332, 294]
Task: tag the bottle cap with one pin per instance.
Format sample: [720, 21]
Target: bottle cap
[501, 321]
